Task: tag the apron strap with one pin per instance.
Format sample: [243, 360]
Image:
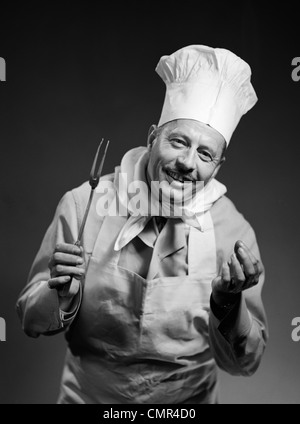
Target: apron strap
[106, 238]
[202, 255]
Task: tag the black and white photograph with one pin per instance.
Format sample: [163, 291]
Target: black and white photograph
[149, 205]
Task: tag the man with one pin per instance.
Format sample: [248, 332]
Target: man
[158, 300]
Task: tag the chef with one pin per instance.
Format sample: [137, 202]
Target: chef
[158, 300]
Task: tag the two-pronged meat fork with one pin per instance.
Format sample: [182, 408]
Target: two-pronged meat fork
[95, 175]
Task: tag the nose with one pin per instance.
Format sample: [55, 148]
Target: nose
[186, 161]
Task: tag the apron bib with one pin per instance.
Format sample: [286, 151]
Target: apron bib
[137, 340]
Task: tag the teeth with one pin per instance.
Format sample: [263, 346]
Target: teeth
[175, 176]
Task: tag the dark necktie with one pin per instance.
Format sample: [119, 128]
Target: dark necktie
[160, 222]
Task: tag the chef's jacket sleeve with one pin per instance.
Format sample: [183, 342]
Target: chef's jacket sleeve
[239, 338]
[37, 304]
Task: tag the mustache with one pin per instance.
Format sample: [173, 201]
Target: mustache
[187, 176]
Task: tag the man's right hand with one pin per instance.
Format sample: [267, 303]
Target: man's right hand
[65, 263]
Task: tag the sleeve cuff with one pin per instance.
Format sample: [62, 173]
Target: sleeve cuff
[233, 323]
[222, 311]
[41, 311]
[67, 317]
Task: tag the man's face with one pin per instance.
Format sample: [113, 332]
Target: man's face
[185, 150]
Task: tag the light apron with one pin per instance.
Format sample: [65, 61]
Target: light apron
[136, 340]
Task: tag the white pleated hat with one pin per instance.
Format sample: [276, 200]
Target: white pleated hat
[210, 85]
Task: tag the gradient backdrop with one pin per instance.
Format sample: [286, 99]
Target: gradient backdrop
[79, 73]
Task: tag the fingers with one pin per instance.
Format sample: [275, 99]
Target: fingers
[66, 267]
[249, 266]
[238, 278]
[65, 270]
[241, 245]
[240, 273]
[225, 273]
[223, 290]
[67, 259]
[223, 283]
[57, 282]
[252, 267]
[68, 248]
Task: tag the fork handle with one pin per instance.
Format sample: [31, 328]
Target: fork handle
[65, 290]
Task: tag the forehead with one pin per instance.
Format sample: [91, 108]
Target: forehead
[195, 131]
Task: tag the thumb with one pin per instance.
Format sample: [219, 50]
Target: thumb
[221, 282]
[74, 288]
[216, 283]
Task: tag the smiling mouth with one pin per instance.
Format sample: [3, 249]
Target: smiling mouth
[177, 177]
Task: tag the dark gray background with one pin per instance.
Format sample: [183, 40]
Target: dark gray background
[79, 73]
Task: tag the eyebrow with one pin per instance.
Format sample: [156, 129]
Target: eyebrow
[177, 133]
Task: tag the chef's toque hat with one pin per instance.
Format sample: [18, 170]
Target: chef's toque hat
[210, 85]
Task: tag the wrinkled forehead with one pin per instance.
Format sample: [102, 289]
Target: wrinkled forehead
[194, 130]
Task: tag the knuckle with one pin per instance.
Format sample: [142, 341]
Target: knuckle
[216, 282]
[226, 279]
[52, 283]
[56, 256]
[79, 275]
[59, 268]
[260, 267]
[58, 247]
[76, 251]
[241, 280]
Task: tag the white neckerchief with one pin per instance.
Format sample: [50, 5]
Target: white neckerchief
[133, 165]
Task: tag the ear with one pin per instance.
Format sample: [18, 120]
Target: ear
[151, 136]
[218, 167]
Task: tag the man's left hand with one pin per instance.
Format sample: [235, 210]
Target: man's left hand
[240, 273]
